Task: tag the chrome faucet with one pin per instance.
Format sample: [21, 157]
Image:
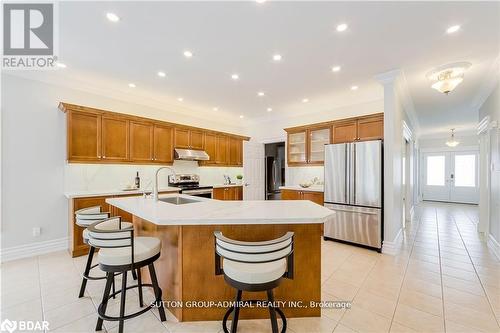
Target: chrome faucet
[155, 187]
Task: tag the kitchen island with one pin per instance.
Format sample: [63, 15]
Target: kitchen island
[186, 270]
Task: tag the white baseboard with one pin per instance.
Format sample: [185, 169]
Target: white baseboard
[31, 250]
[494, 245]
[393, 248]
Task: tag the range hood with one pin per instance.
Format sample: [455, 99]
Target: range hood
[191, 155]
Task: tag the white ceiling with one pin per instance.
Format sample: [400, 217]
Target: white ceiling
[241, 37]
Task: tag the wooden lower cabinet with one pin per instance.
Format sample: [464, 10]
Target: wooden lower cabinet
[228, 193]
[316, 197]
[76, 245]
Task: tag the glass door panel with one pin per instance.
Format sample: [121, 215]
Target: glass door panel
[464, 177]
[297, 147]
[318, 139]
[435, 181]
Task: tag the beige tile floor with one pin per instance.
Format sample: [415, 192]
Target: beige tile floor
[444, 279]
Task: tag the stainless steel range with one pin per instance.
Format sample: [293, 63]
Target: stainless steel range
[190, 185]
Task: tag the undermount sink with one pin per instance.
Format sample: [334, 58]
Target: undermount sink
[178, 200]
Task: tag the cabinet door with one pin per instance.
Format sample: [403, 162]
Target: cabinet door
[141, 141]
[210, 147]
[163, 137]
[316, 197]
[371, 128]
[84, 130]
[344, 132]
[222, 154]
[196, 139]
[297, 148]
[181, 138]
[318, 138]
[219, 193]
[238, 193]
[291, 195]
[115, 138]
[235, 151]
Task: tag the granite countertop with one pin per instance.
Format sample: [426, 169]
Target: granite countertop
[313, 188]
[214, 212]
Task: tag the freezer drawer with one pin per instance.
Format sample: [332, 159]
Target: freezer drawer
[358, 225]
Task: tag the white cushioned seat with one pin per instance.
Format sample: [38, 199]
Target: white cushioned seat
[253, 273]
[144, 248]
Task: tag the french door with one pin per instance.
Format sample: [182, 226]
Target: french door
[451, 176]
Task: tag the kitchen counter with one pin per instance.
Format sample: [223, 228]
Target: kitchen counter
[105, 193]
[313, 188]
[207, 211]
[185, 268]
[224, 185]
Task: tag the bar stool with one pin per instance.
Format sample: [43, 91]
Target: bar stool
[254, 266]
[120, 252]
[85, 217]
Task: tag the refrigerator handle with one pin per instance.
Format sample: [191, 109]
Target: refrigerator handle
[353, 174]
[346, 178]
[273, 174]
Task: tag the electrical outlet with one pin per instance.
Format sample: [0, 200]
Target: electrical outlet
[36, 231]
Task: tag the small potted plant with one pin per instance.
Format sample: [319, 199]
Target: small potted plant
[239, 179]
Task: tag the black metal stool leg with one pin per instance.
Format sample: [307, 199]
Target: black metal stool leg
[134, 276]
[157, 290]
[114, 288]
[86, 273]
[272, 312]
[139, 283]
[236, 312]
[105, 297]
[123, 295]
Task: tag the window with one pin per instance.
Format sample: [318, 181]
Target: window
[465, 170]
[436, 170]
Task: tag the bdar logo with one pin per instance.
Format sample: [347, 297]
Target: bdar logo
[7, 325]
[28, 29]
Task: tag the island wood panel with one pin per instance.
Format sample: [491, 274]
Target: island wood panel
[186, 267]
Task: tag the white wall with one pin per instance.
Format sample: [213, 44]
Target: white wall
[34, 171]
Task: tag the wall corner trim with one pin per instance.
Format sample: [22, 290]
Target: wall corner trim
[33, 249]
[494, 245]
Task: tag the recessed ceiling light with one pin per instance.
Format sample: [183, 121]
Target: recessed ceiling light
[161, 74]
[452, 29]
[61, 65]
[342, 27]
[235, 77]
[180, 99]
[260, 1]
[269, 109]
[215, 109]
[131, 85]
[261, 94]
[354, 88]
[242, 116]
[112, 17]
[335, 68]
[305, 100]
[188, 54]
[277, 57]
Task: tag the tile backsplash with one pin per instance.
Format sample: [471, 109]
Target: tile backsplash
[84, 177]
[297, 175]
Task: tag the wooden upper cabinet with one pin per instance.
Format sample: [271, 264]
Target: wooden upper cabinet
[318, 138]
[222, 152]
[371, 128]
[115, 138]
[345, 131]
[84, 131]
[297, 147]
[210, 147]
[188, 138]
[163, 144]
[235, 151]
[141, 141]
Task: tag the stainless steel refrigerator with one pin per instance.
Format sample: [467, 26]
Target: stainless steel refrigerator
[353, 189]
[275, 170]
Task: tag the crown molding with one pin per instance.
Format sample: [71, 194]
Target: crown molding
[389, 76]
[489, 83]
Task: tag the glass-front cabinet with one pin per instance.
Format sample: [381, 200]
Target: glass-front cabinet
[318, 138]
[297, 147]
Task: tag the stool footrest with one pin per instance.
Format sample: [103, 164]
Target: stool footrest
[253, 301]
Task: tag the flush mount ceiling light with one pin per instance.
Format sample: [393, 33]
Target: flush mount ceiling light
[188, 54]
[162, 74]
[132, 85]
[269, 109]
[305, 100]
[180, 99]
[260, 1]
[335, 68]
[354, 88]
[452, 29]
[235, 77]
[242, 116]
[452, 142]
[261, 94]
[112, 17]
[342, 27]
[215, 109]
[61, 65]
[447, 77]
[277, 57]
